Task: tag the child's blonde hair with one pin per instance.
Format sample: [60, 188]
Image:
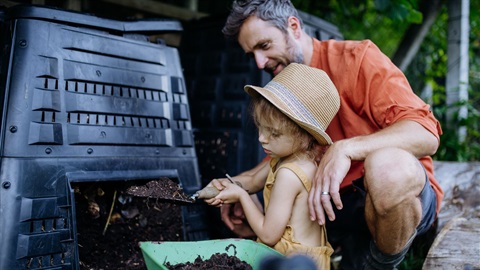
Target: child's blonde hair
[266, 114]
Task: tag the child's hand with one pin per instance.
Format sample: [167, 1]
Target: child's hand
[217, 183]
[231, 193]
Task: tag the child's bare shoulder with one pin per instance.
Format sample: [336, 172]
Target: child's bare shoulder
[308, 167]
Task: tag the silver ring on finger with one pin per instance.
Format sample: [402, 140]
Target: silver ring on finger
[325, 193]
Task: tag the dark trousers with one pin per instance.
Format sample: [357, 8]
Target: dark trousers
[349, 231]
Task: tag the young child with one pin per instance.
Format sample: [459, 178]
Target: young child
[291, 112]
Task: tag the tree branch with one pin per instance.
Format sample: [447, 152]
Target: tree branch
[415, 34]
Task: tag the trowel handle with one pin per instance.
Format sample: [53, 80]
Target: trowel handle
[207, 192]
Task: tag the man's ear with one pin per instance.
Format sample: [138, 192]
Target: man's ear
[295, 26]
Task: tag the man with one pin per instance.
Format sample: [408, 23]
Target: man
[383, 137]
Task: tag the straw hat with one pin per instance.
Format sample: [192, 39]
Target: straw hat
[306, 95]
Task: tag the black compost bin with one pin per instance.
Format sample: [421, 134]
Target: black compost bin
[84, 99]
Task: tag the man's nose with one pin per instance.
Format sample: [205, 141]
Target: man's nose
[261, 60]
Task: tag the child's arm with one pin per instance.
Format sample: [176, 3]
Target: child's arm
[269, 227]
[251, 181]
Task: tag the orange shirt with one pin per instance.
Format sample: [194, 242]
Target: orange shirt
[374, 94]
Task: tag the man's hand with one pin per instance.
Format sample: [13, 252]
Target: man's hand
[234, 218]
[331, 171]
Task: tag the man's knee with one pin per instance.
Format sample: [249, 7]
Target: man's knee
[393, 167]
[392, 176]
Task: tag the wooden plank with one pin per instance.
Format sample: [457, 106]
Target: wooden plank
[7, 3]
[460, 182]
[457, 85]
[157, 7]
[457, 246]
[73, 5]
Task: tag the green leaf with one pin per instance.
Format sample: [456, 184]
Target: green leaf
[415, 16]
[382, 5]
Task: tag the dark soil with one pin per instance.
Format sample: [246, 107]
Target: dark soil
[216, 261]
[163, 188]
[139, 213]
[133, 219]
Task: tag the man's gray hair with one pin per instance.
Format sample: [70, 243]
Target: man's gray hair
[275, 12]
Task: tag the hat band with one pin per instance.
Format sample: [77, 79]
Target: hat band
[292, 102]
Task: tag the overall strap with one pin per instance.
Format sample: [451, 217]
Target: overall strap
[299, 172]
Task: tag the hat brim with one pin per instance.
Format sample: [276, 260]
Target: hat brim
[320, 135]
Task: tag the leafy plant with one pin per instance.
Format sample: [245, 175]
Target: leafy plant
[378, 19]
[430, 68]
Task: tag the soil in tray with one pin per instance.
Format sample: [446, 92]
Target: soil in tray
[216, 261]
[133, 219]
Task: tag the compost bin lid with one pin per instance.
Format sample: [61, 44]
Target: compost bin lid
[26, 11]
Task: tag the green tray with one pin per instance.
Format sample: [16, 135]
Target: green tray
[157, 254]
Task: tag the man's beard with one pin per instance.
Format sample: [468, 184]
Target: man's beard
[295, 55]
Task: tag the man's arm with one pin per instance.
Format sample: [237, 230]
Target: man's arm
[406, 134]
[334, 166]
[252, 180]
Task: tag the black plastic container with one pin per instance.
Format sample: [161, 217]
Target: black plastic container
[85, 99]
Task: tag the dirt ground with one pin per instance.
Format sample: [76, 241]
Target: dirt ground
[133, 219]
